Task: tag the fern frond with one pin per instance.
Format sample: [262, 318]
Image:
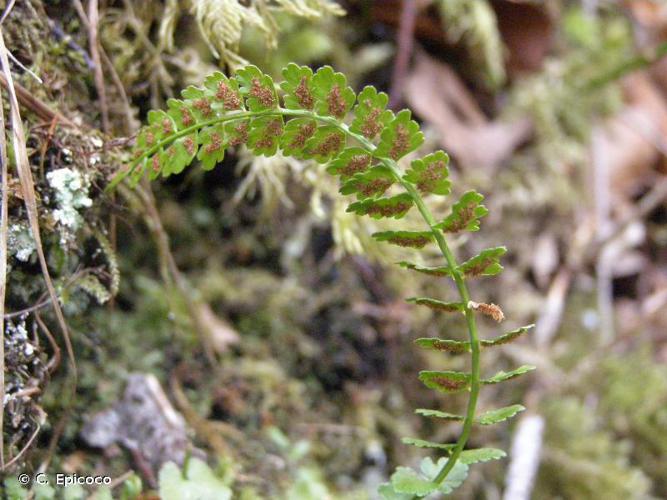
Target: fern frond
[310, 121]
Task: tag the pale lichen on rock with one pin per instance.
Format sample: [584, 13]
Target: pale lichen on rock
[71, 193]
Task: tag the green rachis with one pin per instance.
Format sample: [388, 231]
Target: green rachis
[317, 116]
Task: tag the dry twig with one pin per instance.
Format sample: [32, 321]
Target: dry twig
[4, 230]
[405, 42]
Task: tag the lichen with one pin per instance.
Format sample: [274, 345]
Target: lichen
[20, 242]
[71, 193]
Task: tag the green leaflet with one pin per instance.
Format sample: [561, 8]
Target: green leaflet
[502, 376]
[481, 455]
[224, 92]
[332, 95]
[370, 114]
[459, 347]
[445, 345]
[465, 214]
[264, 135]
[386, 491]
[420, 443]
[369, 184]
[396, 207]
[487, 263]
[350, 162]
[258, 89]
[160, 126]
[179, 155]
[507, 337]
[445, 381]
[453, 480]
[298, 87]
[412, 239]
[487, 418]
[407, 481]
[437, 414]
[430, 174]
[432, 271]
[436, 305]
[212, 150]
[237, 132]
[296, 134]
[410, 482]
[399, 137]
[500, 415]
[180, 113]
[326, 143]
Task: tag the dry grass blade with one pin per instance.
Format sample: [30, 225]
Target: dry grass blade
[28, 191]
[4, 230]
[93, 20]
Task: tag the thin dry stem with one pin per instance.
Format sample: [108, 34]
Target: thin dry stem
[4, 229]
[93, 20]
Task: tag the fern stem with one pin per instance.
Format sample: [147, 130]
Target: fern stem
[472, 332]
[426, 215]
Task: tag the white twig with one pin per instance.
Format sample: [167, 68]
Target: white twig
[525, 458]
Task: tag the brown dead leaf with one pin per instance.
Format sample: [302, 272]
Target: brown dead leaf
[436, 93]
[633, 139]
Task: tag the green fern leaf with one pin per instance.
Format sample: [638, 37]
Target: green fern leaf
[431, 271]
[481, 455]
[430, 174]
[444, 345]
[246, 109]
[410, 239]
[485, 264]
[387, 492]
[420, 443]
[370, 114]
[180, 113]
[350, 162]
[332, 95]
[436, 305]
[161, 125]
[369, 184]
[465, 214]
[502, 376]
[507, 337]
[298, 87]
[500, 415]
[399, 137]
[454, 479]
[295, 136]
[327, 142]
[212, 150]
[438, 414]
[236, 132]
[198, 103]
[179, 155]
[445, 381]
[223, 92]
[408, 481]
[264, 135]
[257, 88]
[396, 207]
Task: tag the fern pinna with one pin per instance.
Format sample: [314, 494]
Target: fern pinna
[363, 151]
